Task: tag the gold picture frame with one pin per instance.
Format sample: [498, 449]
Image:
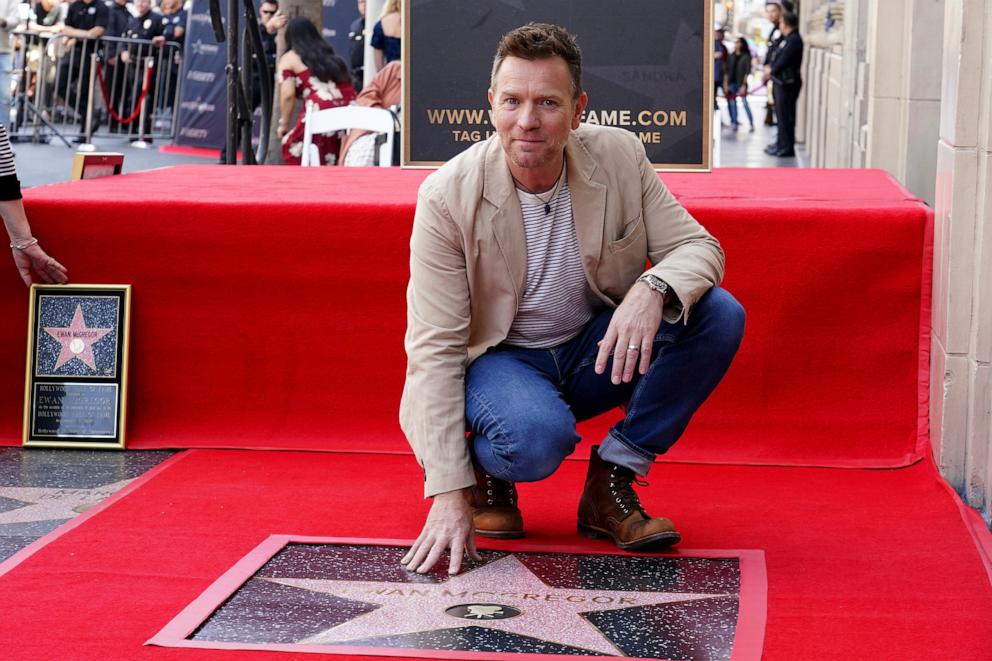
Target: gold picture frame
[75, 393]
[96, 164]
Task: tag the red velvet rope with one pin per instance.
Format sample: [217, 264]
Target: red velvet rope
[106, 97]
[756, 89]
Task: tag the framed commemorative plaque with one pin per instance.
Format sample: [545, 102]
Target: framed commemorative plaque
[96, 164]
[76, 384]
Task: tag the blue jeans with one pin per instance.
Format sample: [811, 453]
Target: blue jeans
[522, 404]
[732, 105]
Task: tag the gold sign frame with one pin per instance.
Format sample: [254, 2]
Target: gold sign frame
[75, 391]
[96, 164]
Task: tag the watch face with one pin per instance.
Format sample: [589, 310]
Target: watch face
[656, 283]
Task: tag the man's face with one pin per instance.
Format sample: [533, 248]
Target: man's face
[267, 11]
[142, 6]
[534, 111]
[361, 7]
[774, 13]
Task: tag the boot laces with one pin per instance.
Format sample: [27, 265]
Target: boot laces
[500, 492]
[622, 481]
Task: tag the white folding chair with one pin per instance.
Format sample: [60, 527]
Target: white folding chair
[343, 119]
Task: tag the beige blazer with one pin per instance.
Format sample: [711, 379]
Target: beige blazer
[468, 265]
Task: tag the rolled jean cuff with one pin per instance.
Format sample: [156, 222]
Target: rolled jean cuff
[615, 450]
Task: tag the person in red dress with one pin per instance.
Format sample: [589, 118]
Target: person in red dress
[312, 71]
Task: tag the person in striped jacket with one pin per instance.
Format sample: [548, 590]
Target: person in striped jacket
[33, 263]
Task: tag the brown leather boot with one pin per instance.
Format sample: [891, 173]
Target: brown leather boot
[496, 513]
[609, 507]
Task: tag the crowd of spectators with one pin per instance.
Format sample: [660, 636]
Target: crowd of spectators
[79, 22]
[317, 74]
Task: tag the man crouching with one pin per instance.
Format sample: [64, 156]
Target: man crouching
[529, 309]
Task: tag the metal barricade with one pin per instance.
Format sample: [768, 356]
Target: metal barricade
[74, 88]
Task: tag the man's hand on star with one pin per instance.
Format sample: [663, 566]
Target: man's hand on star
[635, 324]
[448, 526]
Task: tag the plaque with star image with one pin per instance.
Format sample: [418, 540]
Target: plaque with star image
[352, 596]
[76, 385]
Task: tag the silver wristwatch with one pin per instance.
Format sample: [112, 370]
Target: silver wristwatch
[656, 283]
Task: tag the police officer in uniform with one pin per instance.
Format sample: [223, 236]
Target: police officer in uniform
[146, 25]
[174, 19]
[786, 74]
[86, 22]
[118, 18]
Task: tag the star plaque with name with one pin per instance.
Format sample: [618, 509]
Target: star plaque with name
[77, 366]
[353, 597]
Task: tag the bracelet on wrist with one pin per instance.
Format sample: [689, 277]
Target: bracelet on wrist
[23, 245]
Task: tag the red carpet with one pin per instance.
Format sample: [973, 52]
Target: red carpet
[258, 293]
[861, 564]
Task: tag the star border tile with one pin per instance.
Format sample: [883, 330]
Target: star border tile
[747, 645]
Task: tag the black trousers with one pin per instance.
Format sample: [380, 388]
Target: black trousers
[786, 97]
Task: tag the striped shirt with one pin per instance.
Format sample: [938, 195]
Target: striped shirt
[557, 300]
[10, 187]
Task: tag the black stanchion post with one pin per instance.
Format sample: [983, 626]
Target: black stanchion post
[232, 82]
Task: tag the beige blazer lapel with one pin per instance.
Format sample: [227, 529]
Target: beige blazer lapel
[588, 190]
[503, 213]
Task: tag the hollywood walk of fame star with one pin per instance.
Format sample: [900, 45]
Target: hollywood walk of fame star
[545, 613]
[76, 340]
[49, 504]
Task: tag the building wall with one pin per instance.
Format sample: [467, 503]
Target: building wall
[909, 89]
[961, 395]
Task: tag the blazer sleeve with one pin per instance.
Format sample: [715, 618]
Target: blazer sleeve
[432, 412]
[680, 250]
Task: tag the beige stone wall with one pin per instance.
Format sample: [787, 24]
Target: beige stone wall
[961, 394]
[909, 89]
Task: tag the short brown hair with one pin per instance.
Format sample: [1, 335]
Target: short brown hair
[536, 41]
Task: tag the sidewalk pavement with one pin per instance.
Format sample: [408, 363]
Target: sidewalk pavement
[40, 164]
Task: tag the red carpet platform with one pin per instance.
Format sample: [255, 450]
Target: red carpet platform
[269, 313]
[269, 308]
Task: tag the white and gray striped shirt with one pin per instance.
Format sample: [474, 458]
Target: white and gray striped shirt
[10, 187]
[557, 300]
